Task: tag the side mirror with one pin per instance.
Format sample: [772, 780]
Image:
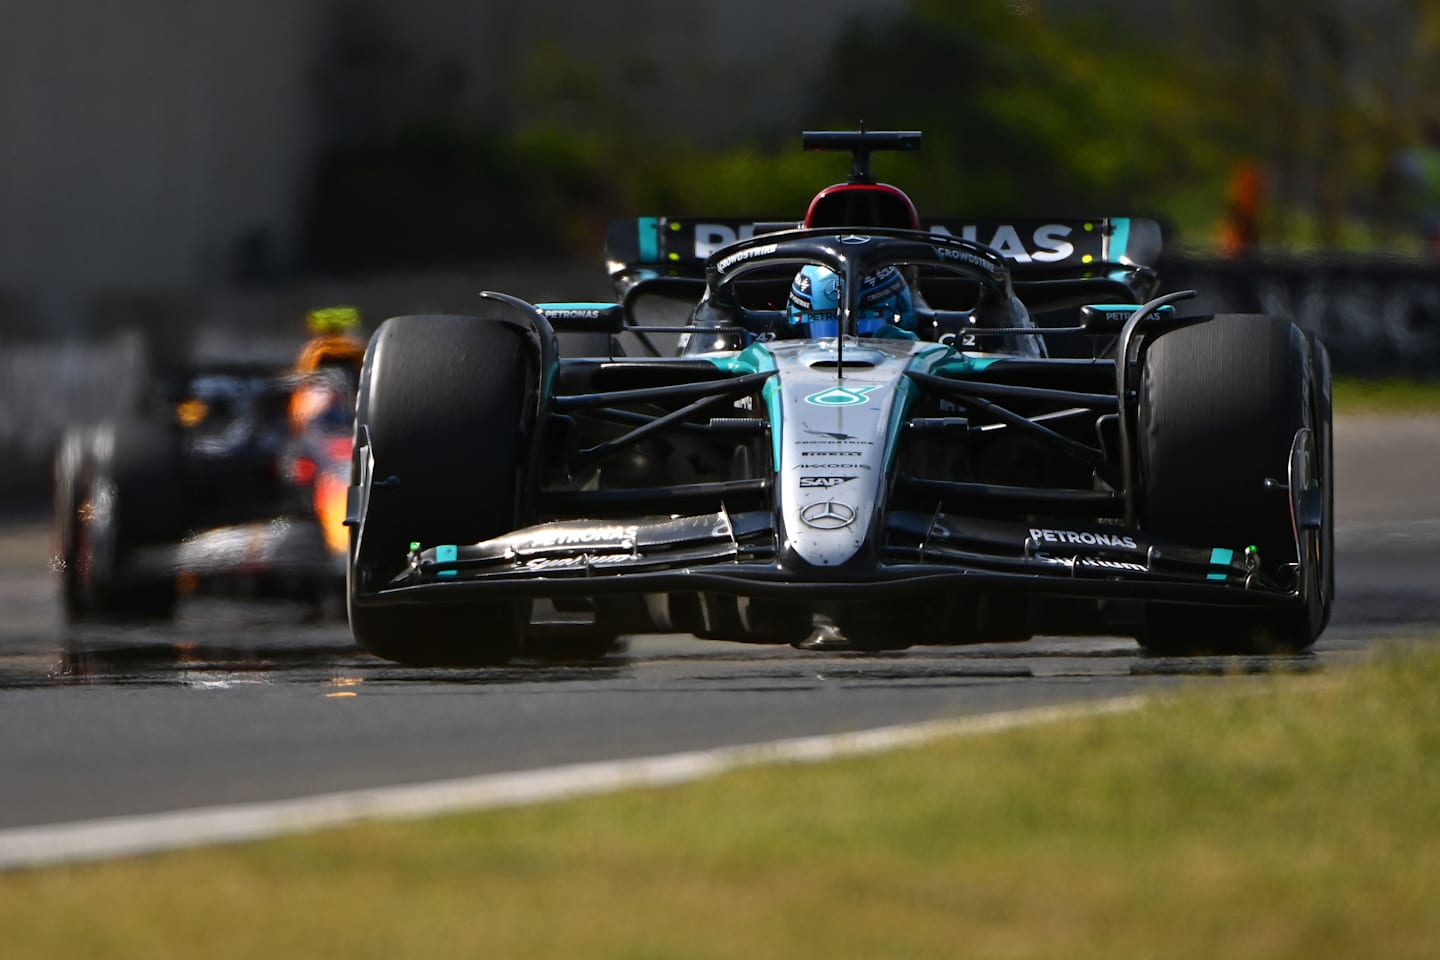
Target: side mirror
[584, 317]
[1110, 318]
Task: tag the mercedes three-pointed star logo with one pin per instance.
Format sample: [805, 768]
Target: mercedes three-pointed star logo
[828, 515]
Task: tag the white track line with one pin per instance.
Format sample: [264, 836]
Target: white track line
[89, 840]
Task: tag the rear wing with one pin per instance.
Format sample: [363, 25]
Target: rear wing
[1119, 249]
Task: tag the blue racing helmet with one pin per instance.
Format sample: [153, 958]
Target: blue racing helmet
[814, 304]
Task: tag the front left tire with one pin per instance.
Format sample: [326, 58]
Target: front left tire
[1221, 403]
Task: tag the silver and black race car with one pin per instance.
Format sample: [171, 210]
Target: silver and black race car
[933, 478]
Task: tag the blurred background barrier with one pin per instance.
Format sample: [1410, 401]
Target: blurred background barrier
[1379, 318]
[45, 386]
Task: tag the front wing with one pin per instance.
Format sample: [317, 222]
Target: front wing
[734, 554]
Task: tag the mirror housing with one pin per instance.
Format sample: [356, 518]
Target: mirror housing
[1110, 318]
[584, 317]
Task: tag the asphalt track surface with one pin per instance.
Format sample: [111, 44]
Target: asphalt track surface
[241, 702]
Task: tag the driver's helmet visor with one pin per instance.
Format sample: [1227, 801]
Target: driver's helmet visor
[826, 323]
[814, 302]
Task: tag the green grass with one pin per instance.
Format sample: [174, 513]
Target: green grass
[1391, 396]
[1277, 817]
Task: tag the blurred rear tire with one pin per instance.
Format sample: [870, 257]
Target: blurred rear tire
[118, 508]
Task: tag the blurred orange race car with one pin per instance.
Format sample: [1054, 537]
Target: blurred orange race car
[231, 478]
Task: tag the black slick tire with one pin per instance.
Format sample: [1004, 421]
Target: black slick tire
[1219, 407]
[446, 406]
[118, 507]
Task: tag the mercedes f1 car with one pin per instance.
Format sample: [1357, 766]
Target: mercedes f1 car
[942, 481]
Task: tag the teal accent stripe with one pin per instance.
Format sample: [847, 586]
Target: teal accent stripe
[1220, 557]
[900, 404]
[578, 305]
[753, 359]
[959, 367]
[1119, 238]
[771, 392]
[649, 237]
[446, 554]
